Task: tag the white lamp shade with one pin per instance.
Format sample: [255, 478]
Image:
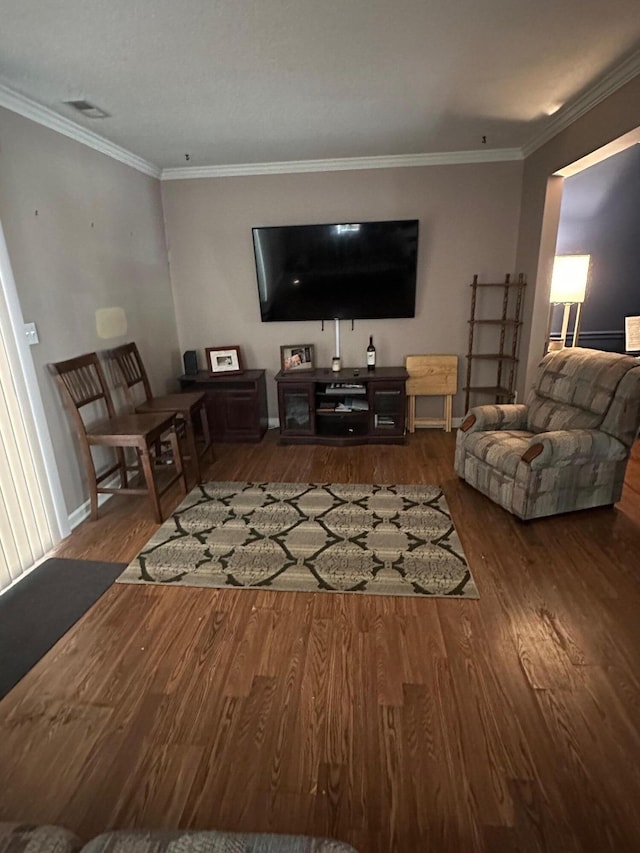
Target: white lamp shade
[569, 279]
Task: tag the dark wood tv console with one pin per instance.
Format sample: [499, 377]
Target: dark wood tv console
[352, 406]
[236, 403]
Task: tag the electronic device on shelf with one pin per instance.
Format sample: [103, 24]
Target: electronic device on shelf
[342, 387]
[343, 271]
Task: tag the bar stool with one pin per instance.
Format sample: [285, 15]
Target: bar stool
[131, 372]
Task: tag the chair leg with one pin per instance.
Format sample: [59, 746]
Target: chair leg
[448, 408]
[122, 462]
[152, 486]
[206, 431]
[92, 479]
[191, 446]
[411, 400]
[177, 458]
[94, 501]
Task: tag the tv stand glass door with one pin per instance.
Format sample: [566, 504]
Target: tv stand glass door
[296, 409]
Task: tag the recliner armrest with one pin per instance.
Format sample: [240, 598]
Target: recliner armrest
[485, 418]
[573, 447]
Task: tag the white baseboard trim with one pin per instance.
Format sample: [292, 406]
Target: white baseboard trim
[84, 510]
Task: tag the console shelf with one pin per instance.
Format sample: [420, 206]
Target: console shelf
[353, 406]
[236, 403]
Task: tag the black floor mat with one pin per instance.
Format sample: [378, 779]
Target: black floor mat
[36, 612]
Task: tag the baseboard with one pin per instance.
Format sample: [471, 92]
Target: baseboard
[84, 510]
[274, 423]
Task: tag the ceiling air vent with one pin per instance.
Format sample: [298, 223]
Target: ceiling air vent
[87, 109]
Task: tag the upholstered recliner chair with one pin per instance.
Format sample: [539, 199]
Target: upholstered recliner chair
[567, 448]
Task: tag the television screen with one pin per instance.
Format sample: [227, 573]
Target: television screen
[348, 271]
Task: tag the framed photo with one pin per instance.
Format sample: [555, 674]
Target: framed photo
[297, 357]
[223, 360]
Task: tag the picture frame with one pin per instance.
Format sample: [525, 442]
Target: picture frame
[297, 357]
[222, 360]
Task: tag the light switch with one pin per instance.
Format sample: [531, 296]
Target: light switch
[31, 334]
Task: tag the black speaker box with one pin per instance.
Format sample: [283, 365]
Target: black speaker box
[190, 359]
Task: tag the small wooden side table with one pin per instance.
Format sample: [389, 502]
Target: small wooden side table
[429, 376]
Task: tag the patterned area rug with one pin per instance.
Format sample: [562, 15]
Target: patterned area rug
[387, 540]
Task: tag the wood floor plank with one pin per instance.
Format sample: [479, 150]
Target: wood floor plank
[310, 726]
[511, 723]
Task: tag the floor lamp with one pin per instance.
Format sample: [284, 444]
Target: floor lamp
[568, 287]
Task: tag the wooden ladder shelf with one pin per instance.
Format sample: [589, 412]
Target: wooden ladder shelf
[505, 355]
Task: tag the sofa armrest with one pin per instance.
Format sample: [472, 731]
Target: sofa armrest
[485, 418]
[560, 448]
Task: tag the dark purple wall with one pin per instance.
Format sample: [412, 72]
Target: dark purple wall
[600, 216]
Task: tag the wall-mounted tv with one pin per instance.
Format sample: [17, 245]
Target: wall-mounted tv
[348, 270]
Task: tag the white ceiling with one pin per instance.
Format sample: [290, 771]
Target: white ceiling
[261, 81]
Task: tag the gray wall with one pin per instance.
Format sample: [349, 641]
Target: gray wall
[468, 224]
[84, 232]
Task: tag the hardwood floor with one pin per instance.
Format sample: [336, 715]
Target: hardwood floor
[511, 723]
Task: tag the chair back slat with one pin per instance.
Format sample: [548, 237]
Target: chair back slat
[130, 370]
[83, 385]
[82, 381]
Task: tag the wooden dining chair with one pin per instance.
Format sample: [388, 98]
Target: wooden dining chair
[130, 371]
[82, 383]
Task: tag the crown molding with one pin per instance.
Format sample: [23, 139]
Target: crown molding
[42, 115]
[606, 86]
[30, 109]
[445, 158]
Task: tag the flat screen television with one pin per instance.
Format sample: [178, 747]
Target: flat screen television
[348, 270]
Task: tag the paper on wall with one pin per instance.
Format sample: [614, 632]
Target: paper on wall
[632, 334]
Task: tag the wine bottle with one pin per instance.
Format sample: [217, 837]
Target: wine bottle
[371, 355]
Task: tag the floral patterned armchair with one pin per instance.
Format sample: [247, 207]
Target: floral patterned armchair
[568, 447]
